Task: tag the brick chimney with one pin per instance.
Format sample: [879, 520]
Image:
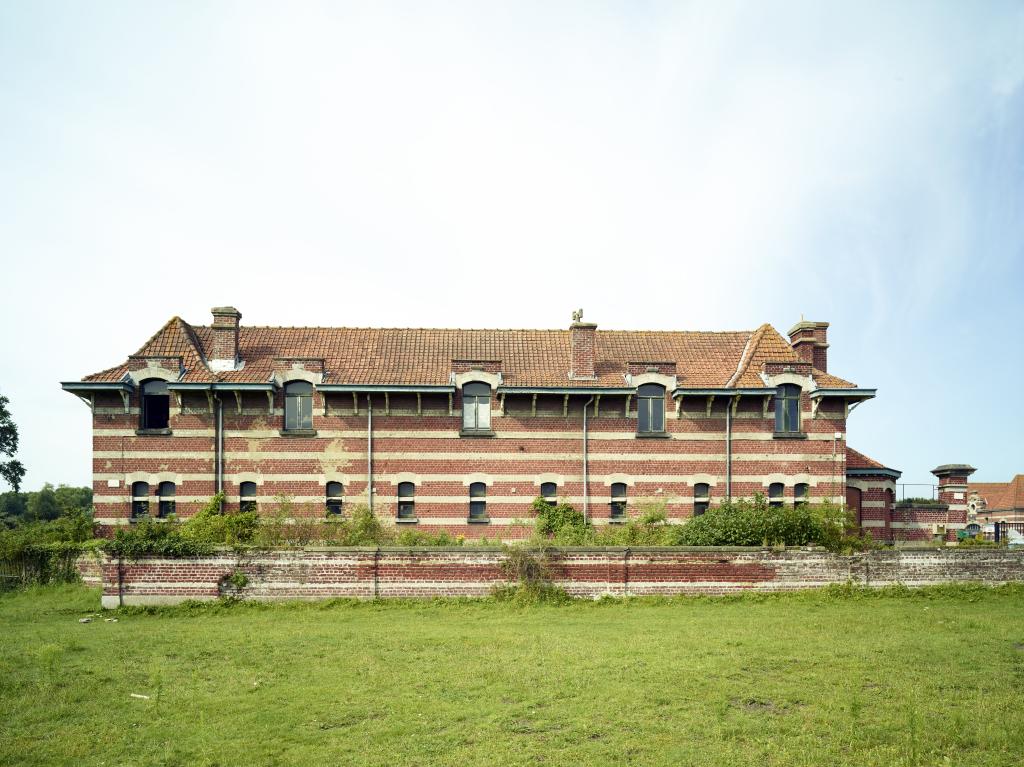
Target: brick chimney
[583, 343]
[224, 354]
[810, 341]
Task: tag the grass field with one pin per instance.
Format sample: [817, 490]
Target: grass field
[808, 679]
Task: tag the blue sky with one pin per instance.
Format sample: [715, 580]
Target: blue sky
[663, 165]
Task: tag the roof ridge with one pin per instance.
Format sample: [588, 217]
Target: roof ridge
[153, 337]
[478, 330]
[752, 343]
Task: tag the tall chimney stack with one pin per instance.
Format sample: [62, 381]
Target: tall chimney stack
[224, 354]
[583, 344]
[810, 342]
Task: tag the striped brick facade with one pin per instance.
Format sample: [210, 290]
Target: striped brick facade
[375, 426]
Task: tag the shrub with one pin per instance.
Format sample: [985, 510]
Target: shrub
[46, 552]
[150, 536]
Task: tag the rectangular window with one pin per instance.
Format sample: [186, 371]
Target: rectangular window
[406, 500]
[618, 502]
[477, 502]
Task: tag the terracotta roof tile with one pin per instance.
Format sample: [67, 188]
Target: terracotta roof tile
[856, 460]
[423, 356]
[1001, 495]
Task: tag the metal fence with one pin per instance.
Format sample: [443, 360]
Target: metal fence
[906, 490]
[1006, 531]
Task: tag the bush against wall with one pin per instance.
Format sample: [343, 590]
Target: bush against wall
[45, 552]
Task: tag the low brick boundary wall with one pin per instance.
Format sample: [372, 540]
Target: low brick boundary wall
[367, 573]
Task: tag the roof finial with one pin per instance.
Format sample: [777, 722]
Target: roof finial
[577, 316]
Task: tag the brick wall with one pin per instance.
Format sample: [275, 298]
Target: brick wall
[407, 572]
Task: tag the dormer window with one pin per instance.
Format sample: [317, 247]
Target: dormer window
[650, 409]
[298, 406]
[476, 408]
[787, 409]
[156, 404]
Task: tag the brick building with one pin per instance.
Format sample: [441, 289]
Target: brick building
[462, 429]
[996, 501]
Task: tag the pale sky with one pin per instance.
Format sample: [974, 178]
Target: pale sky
[677, 165]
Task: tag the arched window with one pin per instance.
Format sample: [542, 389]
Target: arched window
[298, 406]
[801, 493]
[701, 498]
[335, 496]
[166, 491]
[247, 494]
[476, 407]
[650, 409]
[477, 502]
[406, 500]
[618, 503]
[140, 499]
[156, 404]
[549, 492]
[787, 409]
[775, 491]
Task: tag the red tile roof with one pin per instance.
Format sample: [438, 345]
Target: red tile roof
[532, 358]
[855, 460]
[1001, 495]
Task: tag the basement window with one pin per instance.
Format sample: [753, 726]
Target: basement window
[406, 502]
[166, 491]
[140, 499]
[156, 405]
[549, 492]
[478, 502]
[247, 496]
[801, 493]
[618, 502]
[701, 498]
[335, 497]
[775, 491]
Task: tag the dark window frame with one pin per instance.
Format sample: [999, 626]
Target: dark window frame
[478, 502]
[140, 499]
[550, 498]
[334, 498]
[801, 493]
[619, 493]
[166, 491]
[701, 498]
[406, 493]
[476, 401]
[787, 409]
[248, 502]
[776, 500]
[154, 406]
[298, 407]
[650, 409]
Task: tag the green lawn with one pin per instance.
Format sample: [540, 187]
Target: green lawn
[810, 679]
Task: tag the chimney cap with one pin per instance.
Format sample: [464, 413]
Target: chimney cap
[954, 470]
[228, 311]
[807, 325]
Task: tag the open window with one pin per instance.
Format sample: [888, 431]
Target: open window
[140, 499]
[549, 492]
[478, 502]
[406, 502]
[166, 491]
[617, 510]
[476, 408]
[775, 492]
[298, 406]
[247, 496]
[156, 405]
[701, 498]
[335, 496]
[787, 409]
[650, 409]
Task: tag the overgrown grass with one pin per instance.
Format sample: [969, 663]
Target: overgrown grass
[841, 676]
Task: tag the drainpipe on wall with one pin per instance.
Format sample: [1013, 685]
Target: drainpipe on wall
[219, 442]
[728, 451]
[586, 473]
[369, 452]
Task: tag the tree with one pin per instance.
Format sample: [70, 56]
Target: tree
[11, 470]
[73, 498]
[43, 505]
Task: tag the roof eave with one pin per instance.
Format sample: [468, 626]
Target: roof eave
[874, 473]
